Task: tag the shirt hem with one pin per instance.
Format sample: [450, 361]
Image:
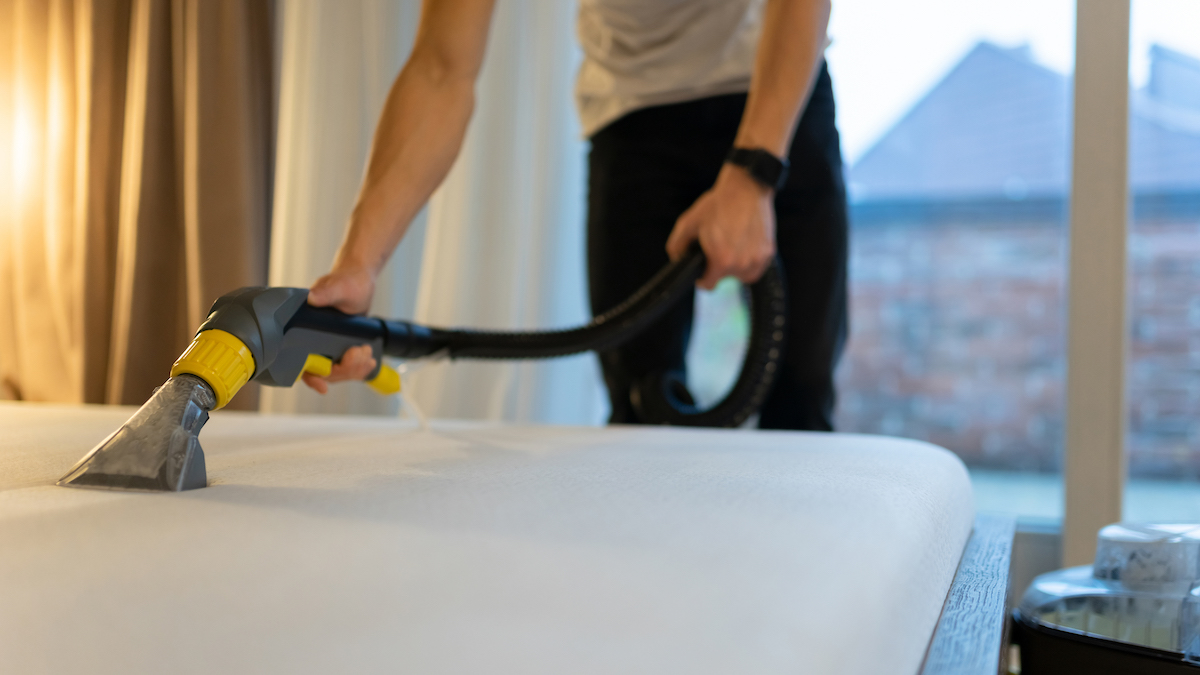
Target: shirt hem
[622, 107]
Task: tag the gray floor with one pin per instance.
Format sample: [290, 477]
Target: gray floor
[1039, 496]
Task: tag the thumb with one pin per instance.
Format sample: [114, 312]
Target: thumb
[349, 292]
[320, 295]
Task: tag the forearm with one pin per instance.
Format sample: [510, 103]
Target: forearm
[419, 135]
[420, 130]
[789, 51]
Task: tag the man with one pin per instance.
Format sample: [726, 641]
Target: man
[693, 108]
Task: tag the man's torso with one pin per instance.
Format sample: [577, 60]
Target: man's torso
[639, 53]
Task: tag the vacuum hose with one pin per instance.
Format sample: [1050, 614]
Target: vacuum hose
[272, 335]
[660, 398]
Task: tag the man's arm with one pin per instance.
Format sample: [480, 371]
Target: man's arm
[735, 220]
[416, 141]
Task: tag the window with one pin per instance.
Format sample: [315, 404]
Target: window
[956, 130]
[1163, 371]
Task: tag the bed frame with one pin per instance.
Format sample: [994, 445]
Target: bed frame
[971, 637]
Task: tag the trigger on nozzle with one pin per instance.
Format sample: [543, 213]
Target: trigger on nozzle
[387, 382]
[318, 365]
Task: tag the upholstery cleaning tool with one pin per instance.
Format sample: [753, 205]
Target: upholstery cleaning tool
[272, 336]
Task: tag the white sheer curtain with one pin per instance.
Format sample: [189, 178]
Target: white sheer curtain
[337, 60]
[503, 246]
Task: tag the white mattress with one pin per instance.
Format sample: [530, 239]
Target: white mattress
[335, 544]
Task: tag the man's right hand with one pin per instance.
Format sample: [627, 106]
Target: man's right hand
[351, 292]
[420, 131]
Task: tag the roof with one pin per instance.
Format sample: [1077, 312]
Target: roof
[997, 126]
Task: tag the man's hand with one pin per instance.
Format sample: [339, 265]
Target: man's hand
[735, 220]
[350, 290]
[735, 223]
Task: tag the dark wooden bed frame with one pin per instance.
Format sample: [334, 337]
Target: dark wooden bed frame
[971, 637]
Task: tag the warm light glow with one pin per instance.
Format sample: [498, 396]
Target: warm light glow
[6, 147]
[24, 141]
[18, 151]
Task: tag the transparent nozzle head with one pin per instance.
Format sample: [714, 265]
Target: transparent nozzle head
[157, 449]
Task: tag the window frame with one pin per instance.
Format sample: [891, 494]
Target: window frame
[1095, 460]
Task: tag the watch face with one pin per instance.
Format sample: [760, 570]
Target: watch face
[766, 168]
[762, 166]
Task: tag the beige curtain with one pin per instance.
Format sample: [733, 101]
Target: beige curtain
[135, 144]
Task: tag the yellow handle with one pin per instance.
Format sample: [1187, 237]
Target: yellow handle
[318, 365]
[387, 382]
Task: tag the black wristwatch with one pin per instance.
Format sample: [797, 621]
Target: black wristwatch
[762, 166]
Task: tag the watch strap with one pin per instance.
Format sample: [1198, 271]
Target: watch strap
[763, 166]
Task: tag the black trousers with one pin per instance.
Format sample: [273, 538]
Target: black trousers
[646, 169]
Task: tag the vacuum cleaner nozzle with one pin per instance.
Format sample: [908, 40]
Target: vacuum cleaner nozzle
[158, 449]
[251, 333]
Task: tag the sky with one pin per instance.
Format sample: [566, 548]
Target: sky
[885, 54]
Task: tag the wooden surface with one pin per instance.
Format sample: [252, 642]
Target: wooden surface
[971, 633]
[341, 544]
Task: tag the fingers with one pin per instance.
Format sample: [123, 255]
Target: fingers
[356, 364]
[683, 234]
[746, 267]
[735, 226]
[316, 382]
[753, 272]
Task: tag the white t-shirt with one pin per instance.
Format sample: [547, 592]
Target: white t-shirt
[639, 53]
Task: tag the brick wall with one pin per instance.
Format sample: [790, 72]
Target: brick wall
[958, 332]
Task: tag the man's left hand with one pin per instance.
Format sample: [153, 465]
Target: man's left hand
[735, 224]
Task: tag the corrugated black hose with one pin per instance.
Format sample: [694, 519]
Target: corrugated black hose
[659, 398]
